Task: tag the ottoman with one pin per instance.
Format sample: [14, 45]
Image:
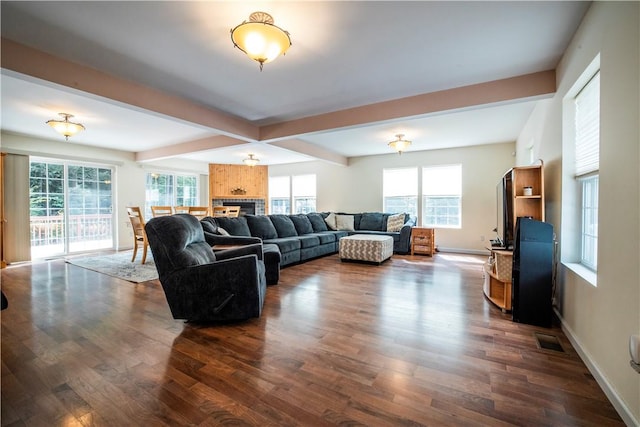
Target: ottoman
[366, 247]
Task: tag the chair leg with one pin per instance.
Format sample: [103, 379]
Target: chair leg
[144, 253]
[135, 250]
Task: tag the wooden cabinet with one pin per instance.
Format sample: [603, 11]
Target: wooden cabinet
[527, 191]
[423, 241]
[497, 278]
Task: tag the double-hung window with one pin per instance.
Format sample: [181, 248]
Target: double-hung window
[587, 156]
[442, 196]
[297, 191]
[400, 190]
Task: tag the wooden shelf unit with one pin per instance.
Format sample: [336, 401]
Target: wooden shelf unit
[528, 206]
[497, 279]
[423, 241]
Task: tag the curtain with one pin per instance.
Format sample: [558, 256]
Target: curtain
[17, 238]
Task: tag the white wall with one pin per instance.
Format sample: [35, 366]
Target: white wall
[129, 175]
[358, 187]
[600, 319]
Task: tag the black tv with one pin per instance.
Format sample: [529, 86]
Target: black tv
[504, 210]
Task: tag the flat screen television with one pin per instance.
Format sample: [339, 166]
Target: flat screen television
[504, 211]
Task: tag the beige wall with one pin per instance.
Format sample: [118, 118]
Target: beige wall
[358, 187]
[600, 319]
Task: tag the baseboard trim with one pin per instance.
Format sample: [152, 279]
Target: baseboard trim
[622, 409]
[463, 251]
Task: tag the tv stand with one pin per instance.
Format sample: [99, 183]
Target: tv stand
[497, 278]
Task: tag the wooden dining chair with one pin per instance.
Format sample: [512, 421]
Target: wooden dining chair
[181, 209]
[219, 210]
[139, 234]
[233, 211]
[199, 211]
[157, 211]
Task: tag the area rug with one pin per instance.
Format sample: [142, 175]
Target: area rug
[119, 265]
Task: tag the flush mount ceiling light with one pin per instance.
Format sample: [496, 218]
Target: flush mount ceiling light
[260, 39]
[65, 127]
[400, 144]
[251, 161]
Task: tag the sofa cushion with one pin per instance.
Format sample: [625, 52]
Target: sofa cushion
[331, 221]
[373, 221]
[261, 226]
[302, 224]
[317, 222]
[326, 237]
[286, 244]
[344, 222]
[309, 241]
[395, 222]
[284, 226]
[235, 226]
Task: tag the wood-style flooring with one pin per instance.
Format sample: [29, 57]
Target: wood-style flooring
[410, 342]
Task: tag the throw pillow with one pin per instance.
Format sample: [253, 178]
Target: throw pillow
[331, 221]
[302, 224]
[395, 222]
[223, 232]
[317, 222]
[344, 222]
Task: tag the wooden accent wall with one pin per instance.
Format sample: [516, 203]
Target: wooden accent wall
[224, 178]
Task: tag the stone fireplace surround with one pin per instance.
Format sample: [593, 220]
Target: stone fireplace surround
[260, 205]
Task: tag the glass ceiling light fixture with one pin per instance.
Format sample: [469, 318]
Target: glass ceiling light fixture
[260, 39]
[65, 127]
[251, 161]
[400, 144]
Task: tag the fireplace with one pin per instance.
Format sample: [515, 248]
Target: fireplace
[247, 206]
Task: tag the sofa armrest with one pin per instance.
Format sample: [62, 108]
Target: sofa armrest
[252, 249]
[217, 239]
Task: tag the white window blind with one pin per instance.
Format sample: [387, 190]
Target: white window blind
[587, 126]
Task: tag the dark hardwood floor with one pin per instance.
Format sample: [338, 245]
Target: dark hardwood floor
[410, 342]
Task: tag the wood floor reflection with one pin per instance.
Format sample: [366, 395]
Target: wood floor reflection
[410, 342]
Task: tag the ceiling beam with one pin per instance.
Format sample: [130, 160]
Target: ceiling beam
[35, 63]
[307, 149]
[204, 144]
[515, 88]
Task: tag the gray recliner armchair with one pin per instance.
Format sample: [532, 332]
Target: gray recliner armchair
[200, 285]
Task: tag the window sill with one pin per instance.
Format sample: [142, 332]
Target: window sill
[582, 271]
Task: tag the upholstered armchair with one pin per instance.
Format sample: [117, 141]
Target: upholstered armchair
[200, 285]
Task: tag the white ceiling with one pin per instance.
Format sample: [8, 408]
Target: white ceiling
[344, 55]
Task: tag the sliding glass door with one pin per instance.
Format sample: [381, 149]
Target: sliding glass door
[71, 207]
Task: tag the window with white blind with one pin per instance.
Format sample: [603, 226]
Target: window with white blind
[587, 165]
[400, 190]
[442, 196]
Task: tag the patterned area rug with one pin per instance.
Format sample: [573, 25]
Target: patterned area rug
[119, 265]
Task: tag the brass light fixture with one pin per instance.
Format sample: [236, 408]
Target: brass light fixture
[65, 127]
[251, 161]
[260, 39]
[400, 144]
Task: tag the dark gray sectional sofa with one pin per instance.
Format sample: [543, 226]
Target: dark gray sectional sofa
[302, 237]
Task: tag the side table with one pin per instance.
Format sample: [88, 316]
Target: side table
[423, 241]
